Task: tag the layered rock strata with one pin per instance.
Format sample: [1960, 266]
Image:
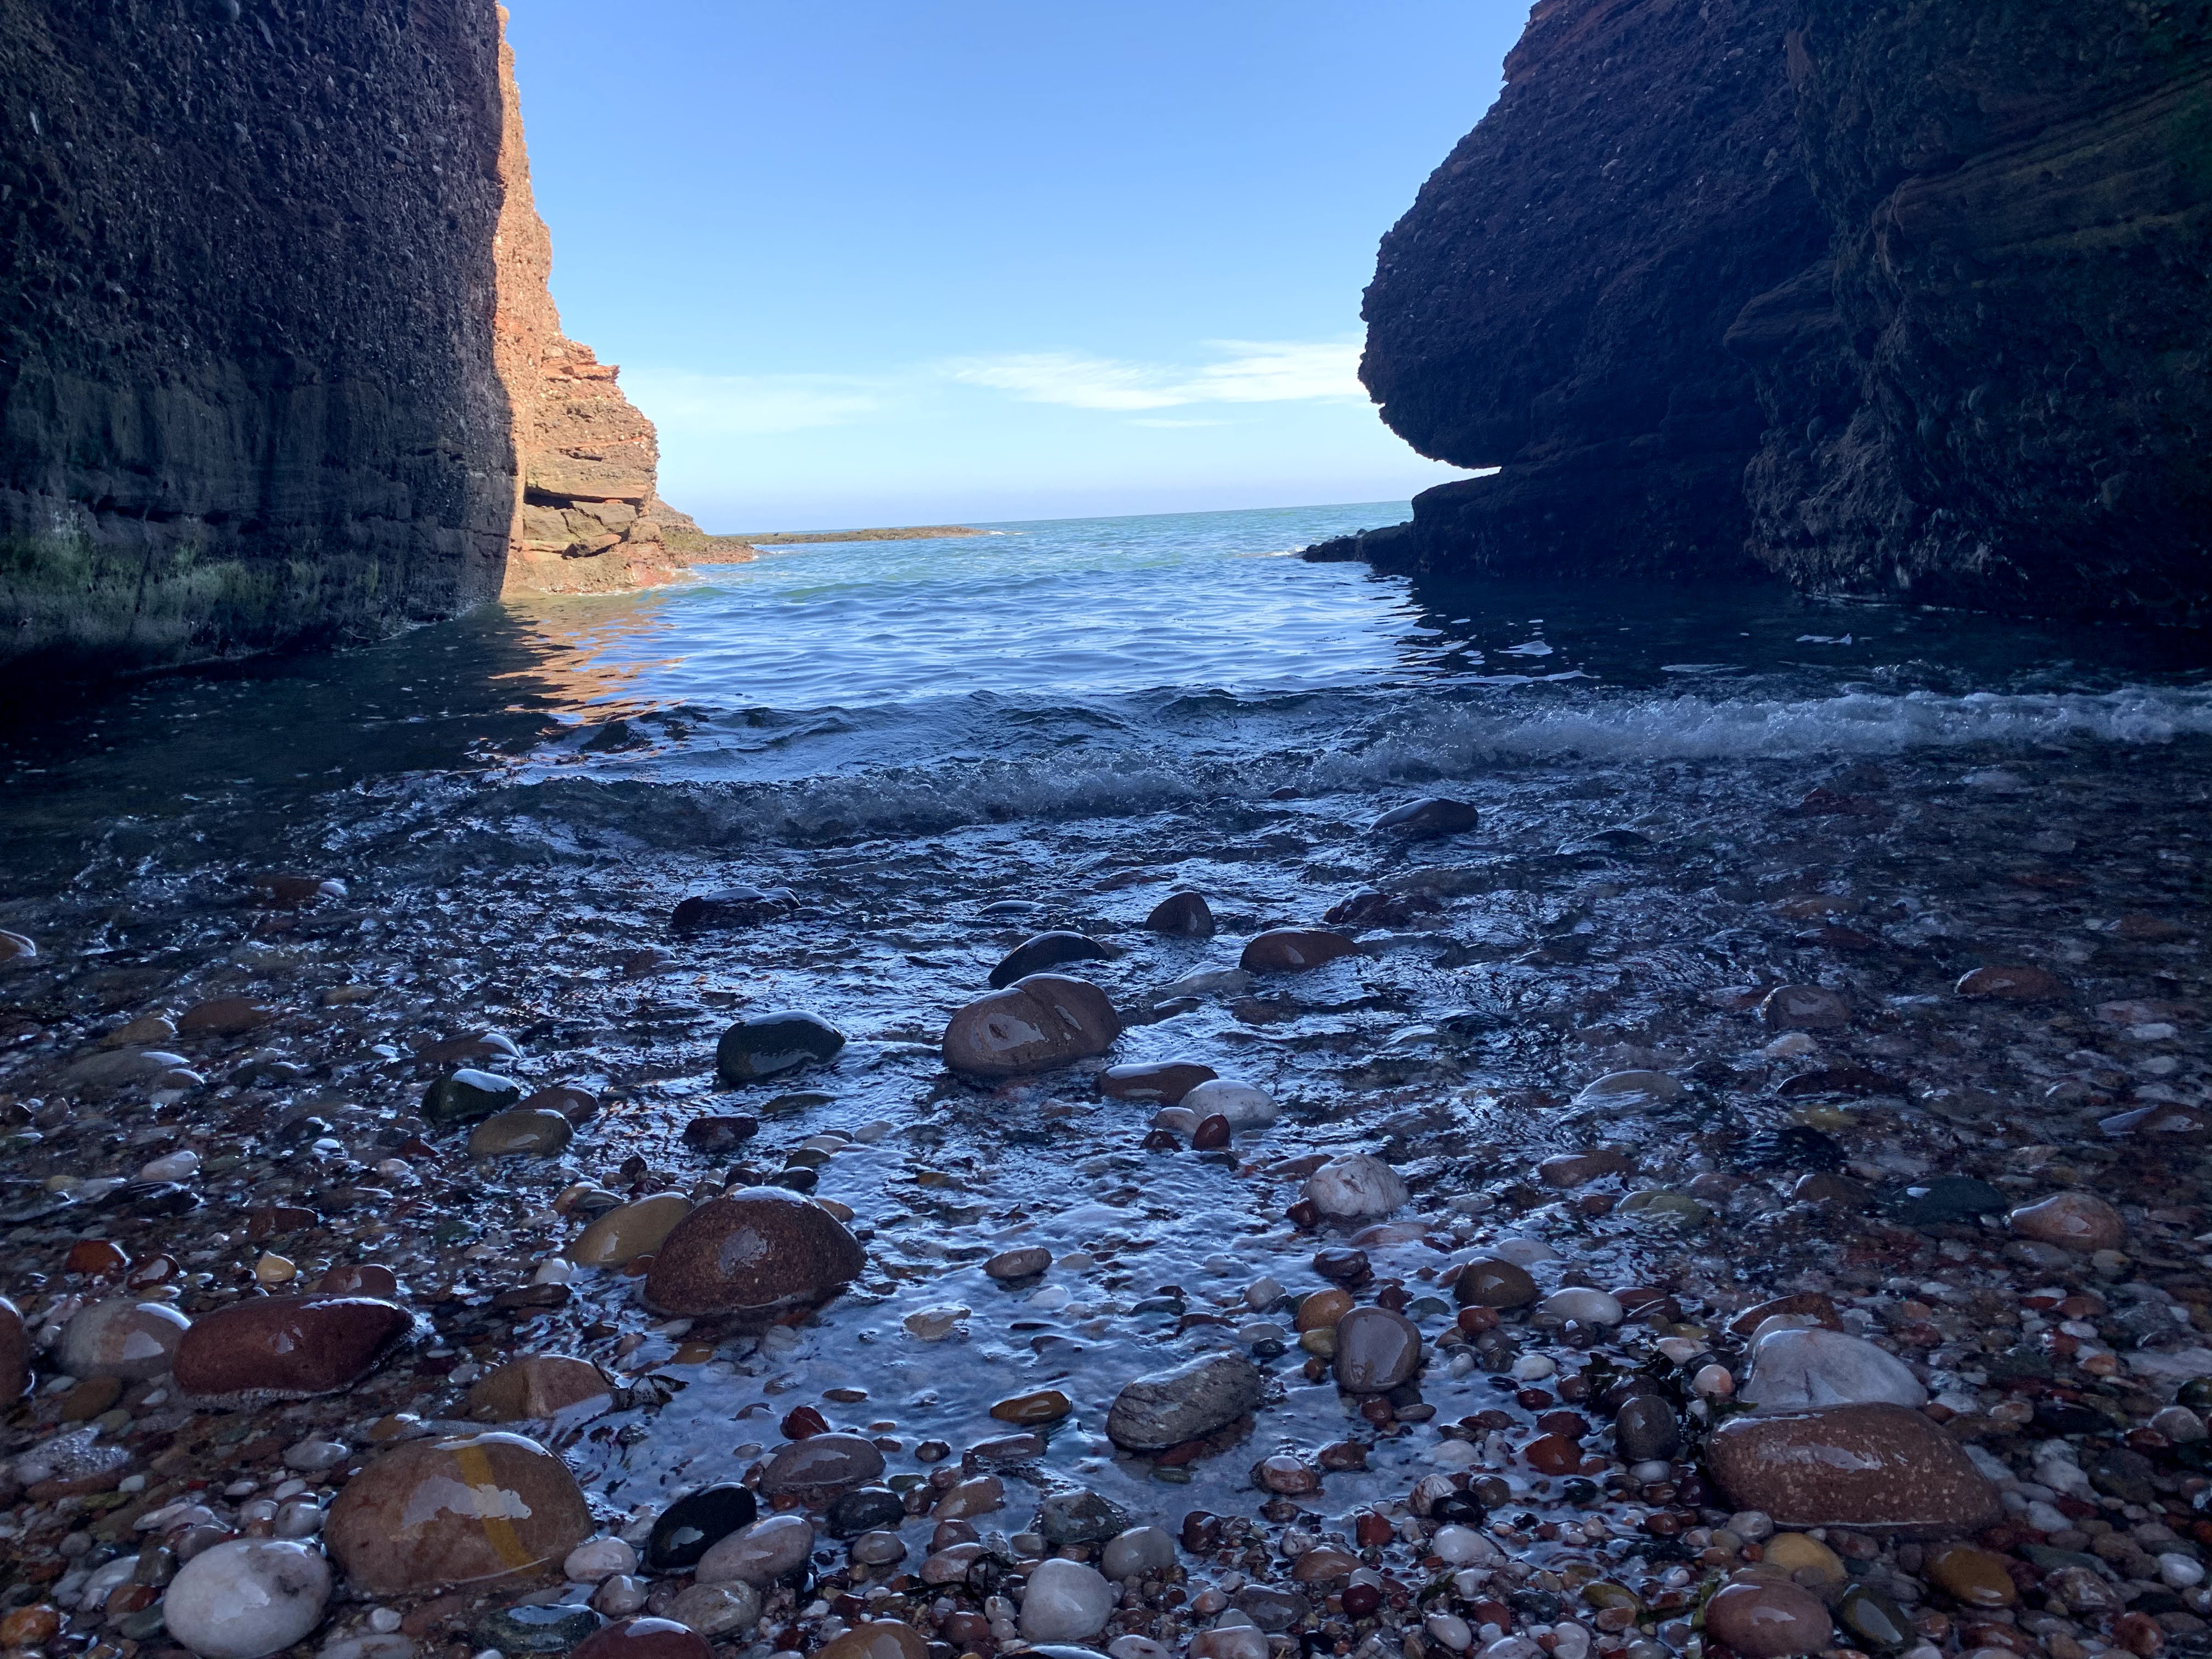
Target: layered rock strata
[247, 393]
[1907, 298]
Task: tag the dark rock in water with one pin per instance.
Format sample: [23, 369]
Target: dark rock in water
[850, 1514]
[1426, 820]
[286, 1348]
[1876, 1468]
[464, 1096]
[1164, 1082]
[752, 1253]
[1182, 915]
[525, 1628]
[1044, 951]
[720, 1135]
[1081, 1516]
[1165, 1408]
[1294, 951]
[1035, 1025]
[822, 1464]
[769, 1045]
[1645, 1428]
[1273, 1610]
[1793, 1146]
[2124, 1473]
[696, 1523]
[732, 906]
[1952, 1198]
[1878, 1621]
[15, 1354]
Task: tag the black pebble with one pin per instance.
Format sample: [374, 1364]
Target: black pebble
[694, 1523]
[871, 1507]
[1046, 951]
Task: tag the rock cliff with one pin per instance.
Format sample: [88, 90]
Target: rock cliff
[587, 518]
[245, 373]
[1909, 297]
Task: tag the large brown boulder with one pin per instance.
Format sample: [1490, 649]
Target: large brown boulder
[1875, 1469]
[1035, 1025]
[455, 1511]
[286, 1348]
[754, 1254]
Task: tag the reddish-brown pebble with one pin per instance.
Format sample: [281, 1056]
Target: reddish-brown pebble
[286, 1348]
[1294, 951]
[2011, 984]
[878, 1639]
[752, 1253]
[224, 1016]
[643, 1638]
[1163, 1082]
[1035, 1025]
[15, 1358]
[455, 1511]
[1768, 1621]
[1883, 1468]
[2074, 1221]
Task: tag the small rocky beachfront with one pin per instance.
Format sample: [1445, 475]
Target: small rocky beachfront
[1631, 1211]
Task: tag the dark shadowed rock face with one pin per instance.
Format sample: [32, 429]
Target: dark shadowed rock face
[1554, 302]
[1906, 297]
[1995, 392]
[246, 392]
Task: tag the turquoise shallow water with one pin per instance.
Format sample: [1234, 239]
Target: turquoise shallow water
[1049, 669]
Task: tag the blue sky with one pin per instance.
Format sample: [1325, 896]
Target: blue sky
[915, 261]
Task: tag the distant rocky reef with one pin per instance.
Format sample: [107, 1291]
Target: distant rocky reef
[1904, 297]
[278, 361]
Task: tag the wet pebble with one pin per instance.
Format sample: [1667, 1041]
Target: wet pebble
[1792, 1370]
[1141, 1552]
[822, 1464]
[2074, 1221]
[1080, 1516]
[520, 1133]
[1584, 1305]
[1045, 950]
[2012, 984]
[870, 1508]
[434, 1512]
[1164, 1082]
[466, 1096]
[1241, 1105]
[1354, 1186]
[1626, 1090]
[539, 1386]
[601, 1559]
[1376, 1349]
[712, 1610]
[1768, 1621]
[644, 1638]
[122, 1338]
[247, 1598]
[753, 1253]
[1878, 1468]
[1645, 1428]
[1493, 1282]
[286, 1348]
[1294, 951]
[1973, 1577]
[1803, 1008]
[1426, 820]
[1182, 916]
[1065, 1601]
[696, 1523]
[774, 1547]
[530, 1627]
[1165, 1408]
[629, 1232]
[1044, 1021]
[1025, 1262]
[881, 1638]
[769, 1045]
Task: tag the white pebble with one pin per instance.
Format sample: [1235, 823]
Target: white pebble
[1451, 1630]
[1714, 1380]
[1263, 1293]
[247, 1598]
[385, 1620]
[1244, 1106]
[1651, 1470]
[1584, 1305]
[601, 1560]
[1355, 1185]
[1136, 1647]
[869, 1133]
[2180, 1572]
[1571, 1640]
[1531, 1366]
[1066, 1601]
[554, 1271]
[1463, 1547]
[176, 1166]
[1523, 1252]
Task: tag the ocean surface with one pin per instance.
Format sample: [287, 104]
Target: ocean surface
[1046, 670]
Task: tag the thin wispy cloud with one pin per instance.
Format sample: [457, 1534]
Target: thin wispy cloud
[756, 405]
[1256, 371]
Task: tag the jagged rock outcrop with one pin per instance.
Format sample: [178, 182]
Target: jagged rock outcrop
[1900, 296]
[586, 518]
[247, 393]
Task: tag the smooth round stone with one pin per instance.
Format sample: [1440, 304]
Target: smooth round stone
[696, 1523]
[286, 1348]
[540, 1386]
[367, 1278]
[1882, 1467]
[644, 1638]
[1803, 1008]
[1523, 1252]
[1026, 1262]
[1974, 1578]
[121, 1338]
[1875, 1620]
[17, 947]
[468, 1095]
[868, 1509]
[1355, 1186]
[752, 1253]
[1584, 1305]
[1426, 820]
[1035, 1025]
[769, 1045]
[224, 1016]
[822, 1464]
[1045, 950]
[2012, 984]
[1322, 1310]
[15, 1353]
[773, 1547]
[528, 1627]
[1294, 951]
[1626, 1089]
[717, 1609]
[1242, 1105]
[1645, 1429]
[248, 1598]
[1162, 1082]
[1493, 1282]
[878, 1549]
[1798, 1553]
[1768, 1621]
[1462, 1546]
[434, 1512]
[1316, 1566]
[2074, 1221]
[629, 1231]
[1139, 1552]
[1794, 1370]
[1066, 1601]
[601, 1559]
[1080, 1516]
[1375, 1351]
[882, 1638]
[1167, 1408]
[520, 1133]
[1182, 916]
